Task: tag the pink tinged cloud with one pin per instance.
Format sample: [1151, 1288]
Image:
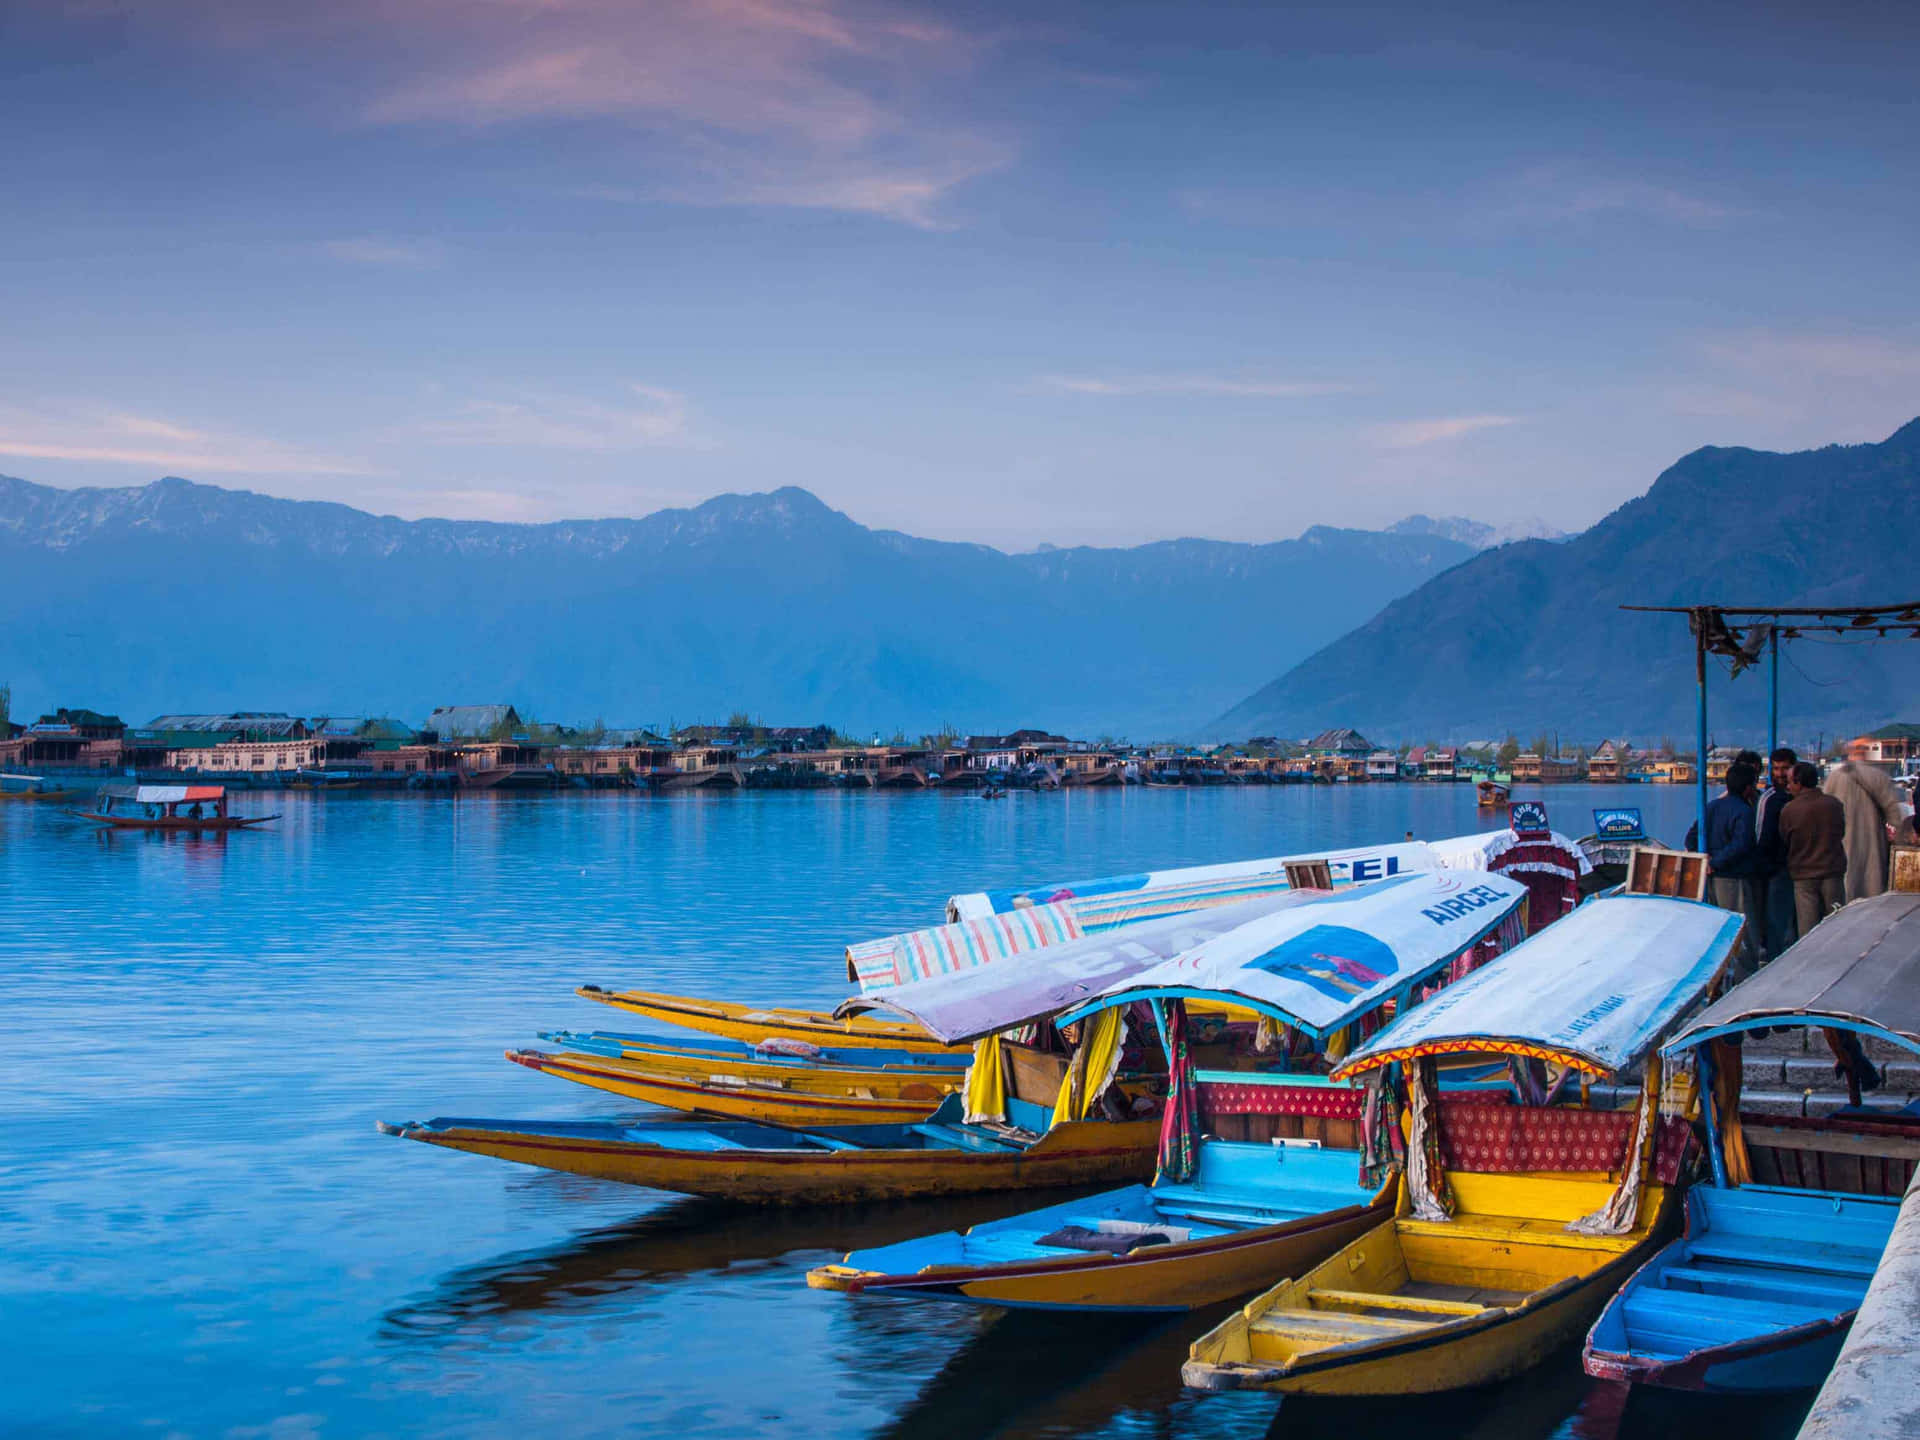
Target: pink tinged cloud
[810, 103]
[1410, 434]
[122, 439]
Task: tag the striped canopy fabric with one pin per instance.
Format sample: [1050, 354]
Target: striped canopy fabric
[892, 960]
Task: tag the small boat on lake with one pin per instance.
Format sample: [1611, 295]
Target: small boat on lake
[31, 788]
[1515, 1223]
[1493, 790]
[754, 1023]
[786, 1082]
[167, 807]
[1222, 1217]
[773, 1165]
[1761, 1291]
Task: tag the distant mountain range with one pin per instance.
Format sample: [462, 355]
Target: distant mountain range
[1530, 636]
[177, 596]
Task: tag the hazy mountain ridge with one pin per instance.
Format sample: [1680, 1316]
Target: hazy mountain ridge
[1477, 533]
[178, 595]
[1530, 634]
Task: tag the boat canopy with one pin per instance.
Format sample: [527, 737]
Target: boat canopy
[1486, 850]
[1372, 862]
[1858, 969]
[1596, 990]
[164, 794]
[877, 965]
[1312, 959]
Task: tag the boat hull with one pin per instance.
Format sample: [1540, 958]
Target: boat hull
[1081, 1153]
[1488, 1342]
[1161, 1279]
[753, 1022]
[781, 1095]
[1757, 1297]
[124, 822]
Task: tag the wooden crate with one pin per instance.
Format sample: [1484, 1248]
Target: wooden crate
[1680, 873]
[1906, 869]
[1309, 875]
[1034, 1075]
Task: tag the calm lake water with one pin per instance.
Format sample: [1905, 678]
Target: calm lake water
[203, 1235]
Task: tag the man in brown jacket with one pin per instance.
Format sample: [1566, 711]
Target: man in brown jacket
[1813, 830]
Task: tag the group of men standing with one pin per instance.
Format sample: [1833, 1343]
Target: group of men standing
[1788, 855]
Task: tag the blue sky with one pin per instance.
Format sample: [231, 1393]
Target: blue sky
[1059, 273]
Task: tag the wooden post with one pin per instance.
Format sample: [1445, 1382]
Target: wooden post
[1700, 728]
[1773, 693]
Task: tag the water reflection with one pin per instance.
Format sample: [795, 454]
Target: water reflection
[687, 1240]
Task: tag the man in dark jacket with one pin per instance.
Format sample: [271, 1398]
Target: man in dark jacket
[1776, 886]
[1813, 830]
[1733, 860]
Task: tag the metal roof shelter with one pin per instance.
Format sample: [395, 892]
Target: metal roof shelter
[1858, 970]
[1717, 631]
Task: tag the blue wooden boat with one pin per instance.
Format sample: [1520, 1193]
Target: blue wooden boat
[1222, 1217]
[1760, 1292]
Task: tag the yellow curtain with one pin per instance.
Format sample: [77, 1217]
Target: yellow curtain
[1093, 1065]
[1338, 1044]
[987, 1082]
[1728, 1073]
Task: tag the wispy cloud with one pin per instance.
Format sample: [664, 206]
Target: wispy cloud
[104, 436]
[1788, 388]
[388, 253]
[1559, 193]
[1874, 358]
[1409, 434]
[829, 104]
[1192, 385]
[638, 417]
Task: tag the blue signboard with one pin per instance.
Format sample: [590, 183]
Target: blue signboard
[1528, 818]
[1622, 824]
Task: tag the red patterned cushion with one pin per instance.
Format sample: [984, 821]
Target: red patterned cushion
[1491, 1137]
[1327, 1102]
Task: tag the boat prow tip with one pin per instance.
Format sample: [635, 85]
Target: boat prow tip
[390, 1127]
[532, 1059]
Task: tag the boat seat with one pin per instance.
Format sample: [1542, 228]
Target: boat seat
[1760, 1254]
[1349, 1300]
[1229, 1216]
[961, 1137]
[1683, 1315]
[1781, 1285]
[1332, 1327]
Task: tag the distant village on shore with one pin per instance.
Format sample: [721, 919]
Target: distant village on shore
[493, 746]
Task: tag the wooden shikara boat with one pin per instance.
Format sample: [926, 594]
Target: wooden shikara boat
[1761, 1292]
[167, 807]
[31, 789]
[1246, 1213]
[732, 1078]
[1483, 1273]
[755, 1022]
[767, 1165]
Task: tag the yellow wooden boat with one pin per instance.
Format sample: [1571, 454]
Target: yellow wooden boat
[756, 1022]
[749, 1090]
[1416, 1306]
[1500, 1251]
[765, 1165]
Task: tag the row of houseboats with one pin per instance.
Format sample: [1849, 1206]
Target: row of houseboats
[1369, 1090]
